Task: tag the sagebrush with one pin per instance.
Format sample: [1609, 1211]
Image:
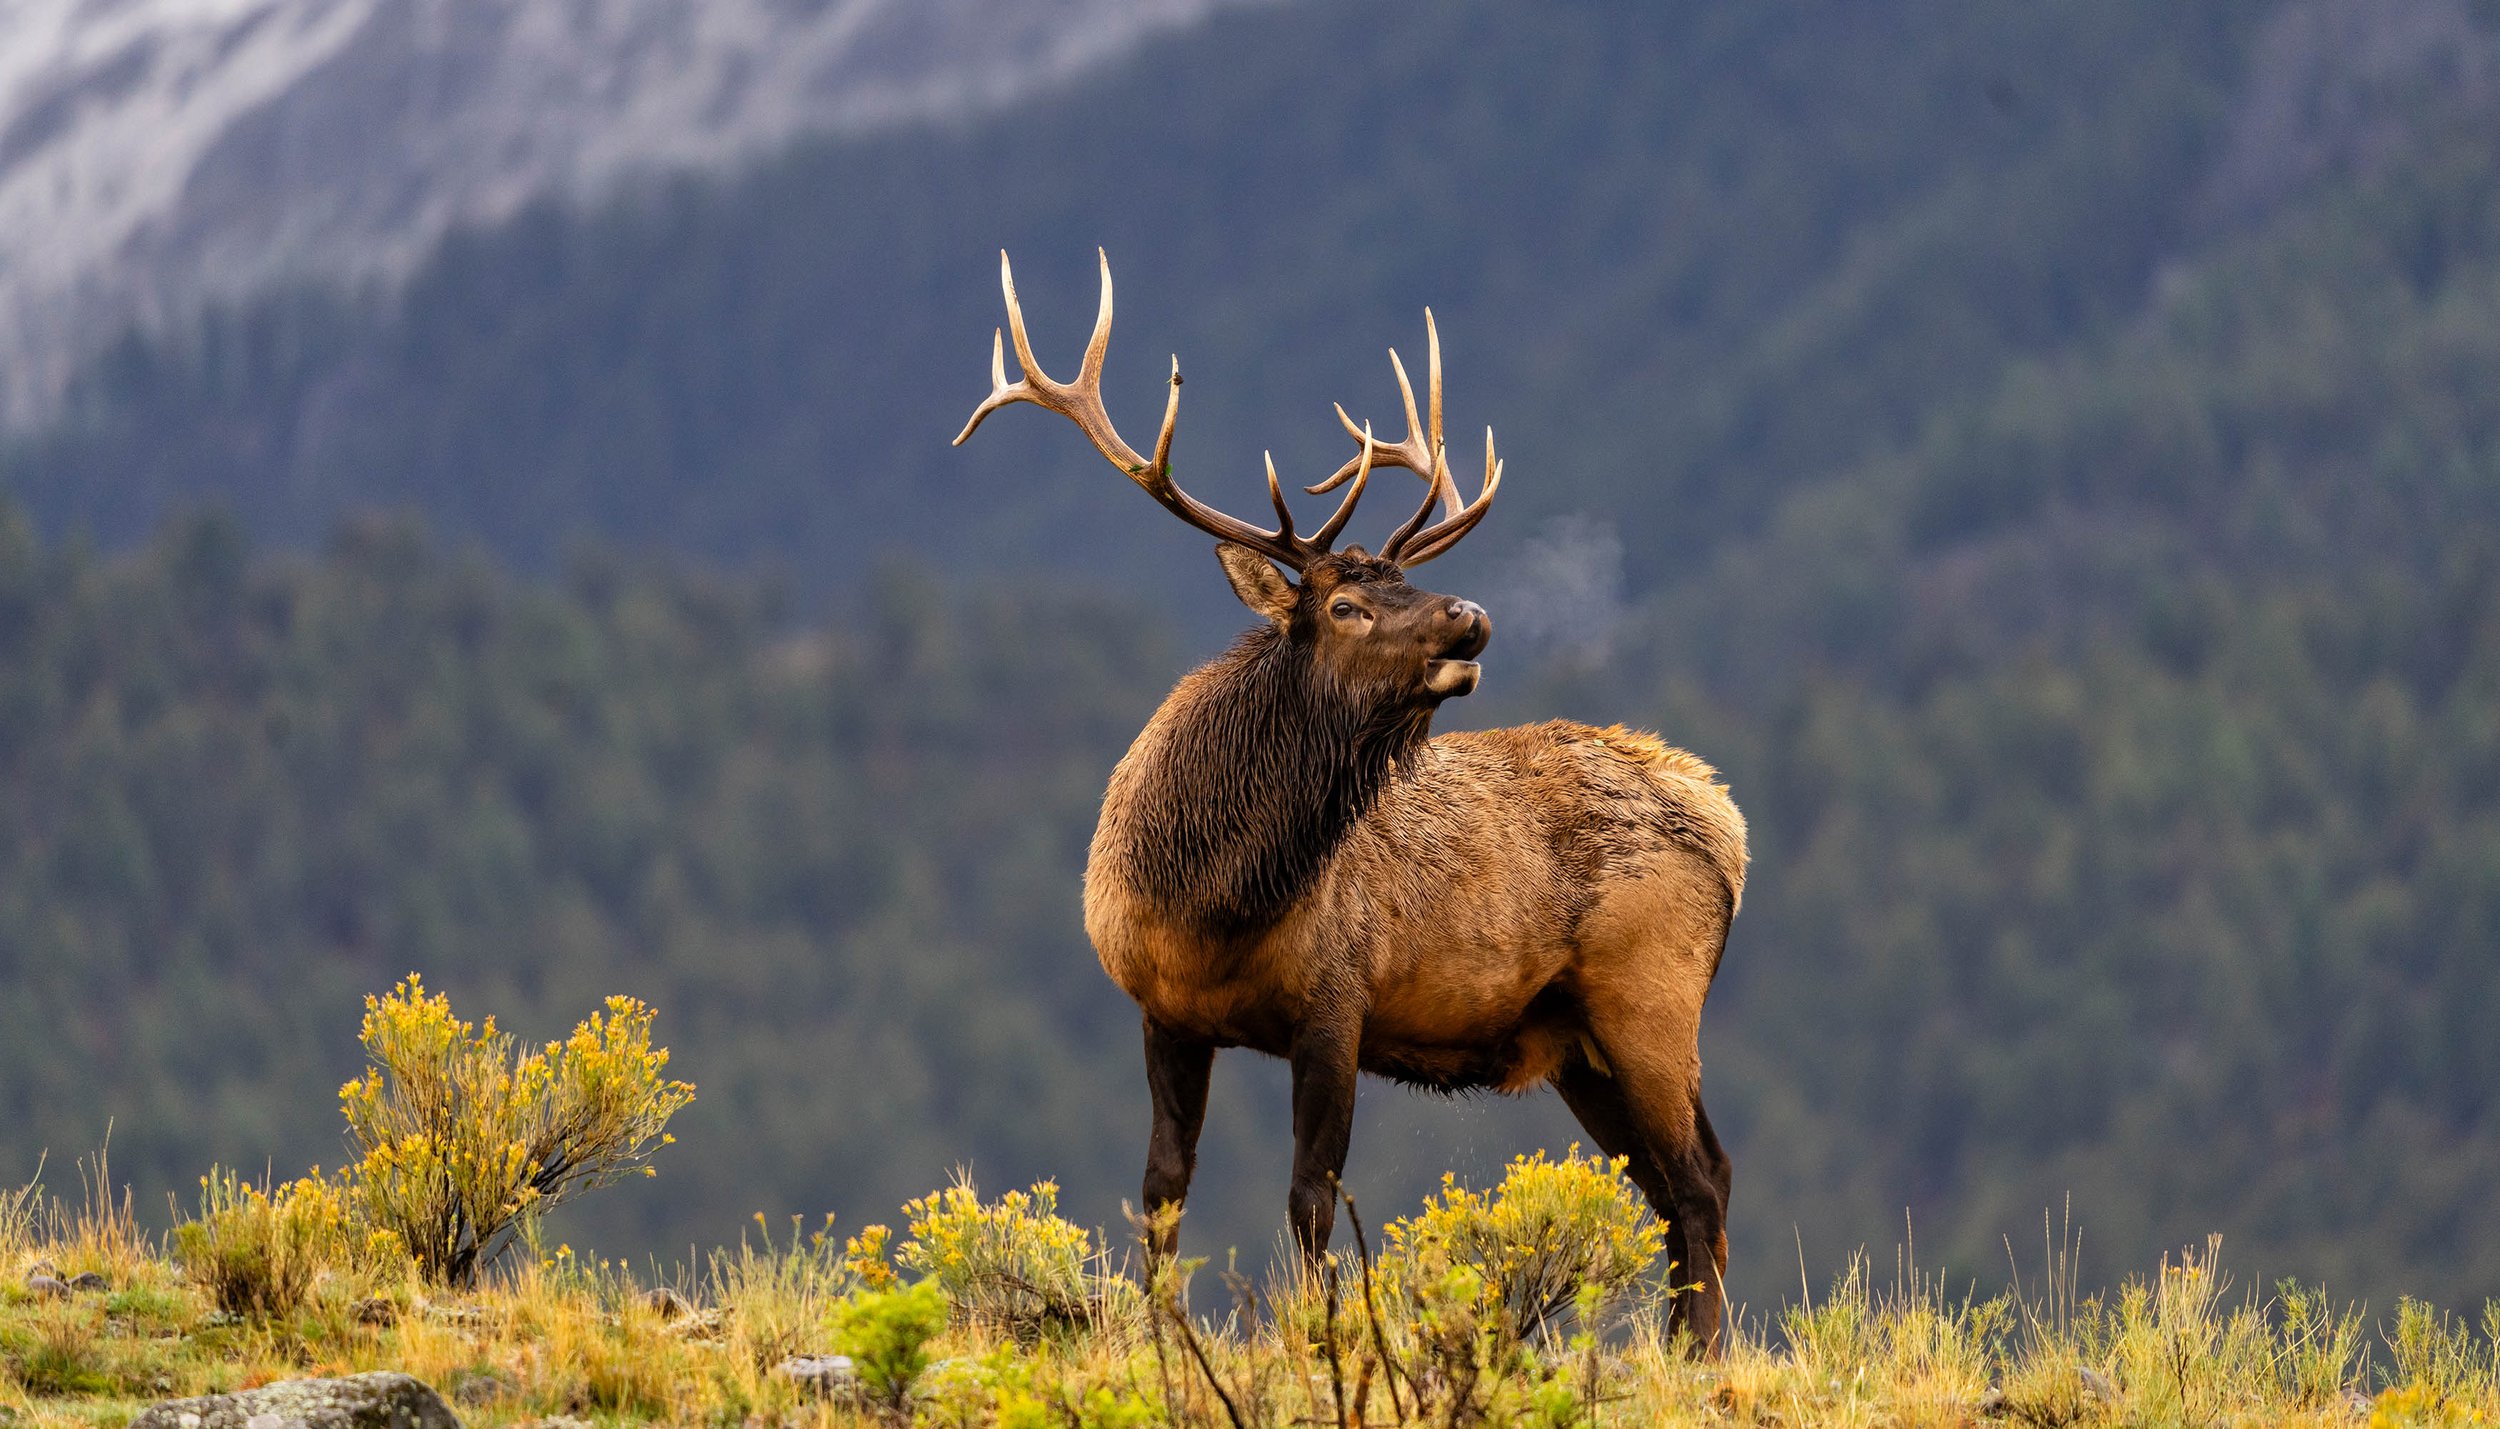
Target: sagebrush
[464, 1135]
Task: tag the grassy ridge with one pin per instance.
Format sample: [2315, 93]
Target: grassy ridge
[566, 1334]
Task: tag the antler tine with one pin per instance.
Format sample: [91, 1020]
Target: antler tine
[1276, 494]
[1171, 418]
[1406, 532]
[1326, 536]
[1100, 342]
[1081, 402]
[1439, 476]
[1440, 538]
[1406, 389]
[1001, 394]
[1033, 372]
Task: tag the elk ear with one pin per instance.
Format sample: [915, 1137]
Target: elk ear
[1256, 580]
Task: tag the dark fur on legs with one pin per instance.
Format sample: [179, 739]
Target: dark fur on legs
[1326, 1058]
[1686, 1182]
[1176, 1080]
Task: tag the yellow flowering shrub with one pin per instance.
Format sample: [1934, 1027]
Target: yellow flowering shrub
[1014, 1263]
[1549, 1231]
[867, 1258]
[257, 1251]
[464, 1135]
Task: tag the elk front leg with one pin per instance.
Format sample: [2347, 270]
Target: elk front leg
[1326, 1061]
[1176, 1079]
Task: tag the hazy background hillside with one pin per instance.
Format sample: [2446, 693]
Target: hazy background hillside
[2049, 458]
[157, 156]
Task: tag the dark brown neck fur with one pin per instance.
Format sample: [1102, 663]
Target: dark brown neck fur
[1267, 764]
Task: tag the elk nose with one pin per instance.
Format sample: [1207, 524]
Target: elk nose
[1473, 629]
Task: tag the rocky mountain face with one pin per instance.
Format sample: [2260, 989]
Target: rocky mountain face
[156, 155]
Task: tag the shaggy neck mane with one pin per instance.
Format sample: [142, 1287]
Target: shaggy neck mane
[1267, 764]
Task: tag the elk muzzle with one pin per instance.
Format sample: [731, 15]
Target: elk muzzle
[1454, 671]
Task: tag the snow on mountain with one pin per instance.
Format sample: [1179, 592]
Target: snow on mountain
[159, 154]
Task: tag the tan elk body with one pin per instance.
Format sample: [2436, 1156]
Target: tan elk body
[1289, 861]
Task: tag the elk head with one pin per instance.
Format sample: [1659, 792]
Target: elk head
[1374, 635]
[1378, 638]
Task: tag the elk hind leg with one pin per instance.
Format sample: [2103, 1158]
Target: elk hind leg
[1650, 949]
[1682, 1181]
[1722, 1177]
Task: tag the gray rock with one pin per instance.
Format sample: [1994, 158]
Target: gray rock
[44, 1287]
[2097, 1384]
[365, 1401]
[667, 1303]
[825, 1376]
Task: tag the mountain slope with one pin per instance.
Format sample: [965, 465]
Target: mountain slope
[1730, 282]
[160, 156]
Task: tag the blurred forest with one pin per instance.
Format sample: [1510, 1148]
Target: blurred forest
[2048, 457]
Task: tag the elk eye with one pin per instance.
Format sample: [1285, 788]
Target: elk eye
[1345, 610]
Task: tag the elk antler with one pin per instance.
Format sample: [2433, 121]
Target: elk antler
[1424, 454]
[1410, 547]
[1081, 402]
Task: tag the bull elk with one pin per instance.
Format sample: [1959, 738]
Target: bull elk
[1288, 860]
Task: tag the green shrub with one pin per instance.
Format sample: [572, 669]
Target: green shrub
[2433, 1353]
[463, 1135]
[1550, 1230]
[257, 1251]
[1013, 1264]
[2322, 1354]
[886, 1333]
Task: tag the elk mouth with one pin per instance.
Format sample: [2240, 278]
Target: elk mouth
[1447, 679]
[1454, 671]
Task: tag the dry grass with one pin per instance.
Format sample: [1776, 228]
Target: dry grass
[562, 1335]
